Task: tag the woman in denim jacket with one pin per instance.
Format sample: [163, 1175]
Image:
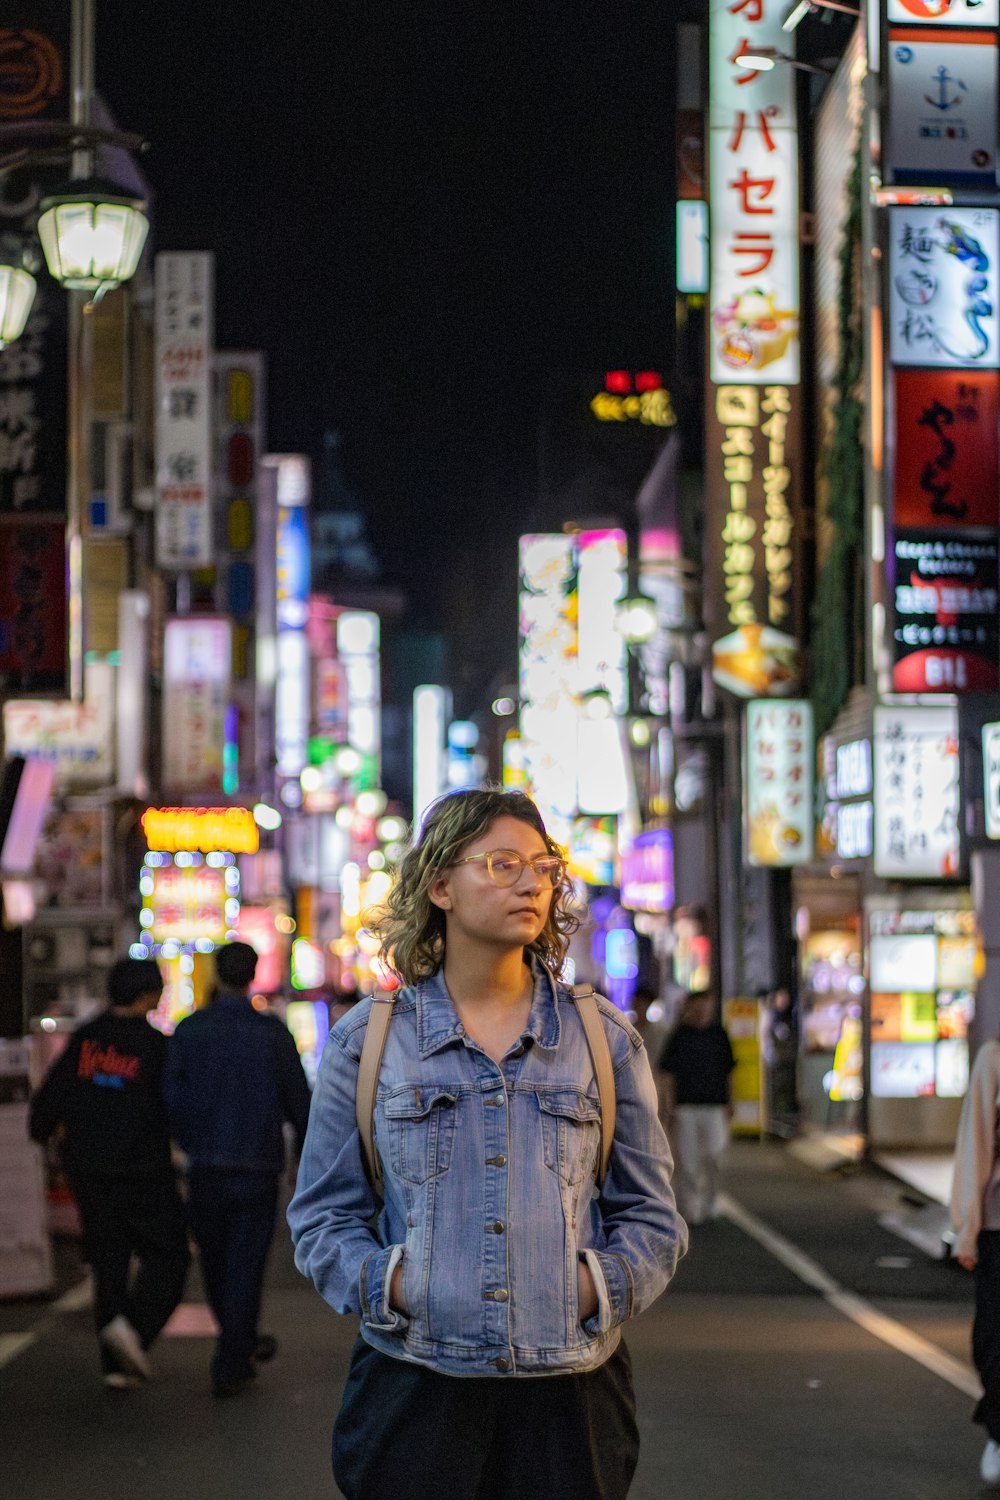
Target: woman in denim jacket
[495, 1259]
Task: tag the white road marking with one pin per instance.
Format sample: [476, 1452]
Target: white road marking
[938, 1361]
[13, 1344]
[75, 1300]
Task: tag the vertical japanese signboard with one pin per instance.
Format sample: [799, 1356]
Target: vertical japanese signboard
[197, 672]
[548, 670]
[184, 315]
[917, 793]
[991, 779]
[291, 689]
[34, 90]
[945, 345]
[753, 158]
[753, 418]
[779, 783]
[946, 452]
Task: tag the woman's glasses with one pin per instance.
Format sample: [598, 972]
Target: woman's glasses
[504, 867]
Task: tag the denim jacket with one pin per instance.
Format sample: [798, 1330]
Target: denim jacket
[491, 1197]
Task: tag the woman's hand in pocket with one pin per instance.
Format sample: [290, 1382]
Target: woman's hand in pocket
[587, 1292]
[396, 1301]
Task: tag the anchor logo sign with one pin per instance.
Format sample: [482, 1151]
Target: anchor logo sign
[945, 99]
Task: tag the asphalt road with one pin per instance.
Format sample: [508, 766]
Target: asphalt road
[803, 1351]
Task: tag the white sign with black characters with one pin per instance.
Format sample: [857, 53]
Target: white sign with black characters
[991, 779]
[917, 793]
[184, 317]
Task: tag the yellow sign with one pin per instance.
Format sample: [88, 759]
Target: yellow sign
[652, 408]
[741, 1018]
[204, 830]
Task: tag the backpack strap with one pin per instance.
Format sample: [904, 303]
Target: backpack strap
[600, 1057]
[369, 1067]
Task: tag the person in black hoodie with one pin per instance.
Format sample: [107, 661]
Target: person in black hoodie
[104, 1092]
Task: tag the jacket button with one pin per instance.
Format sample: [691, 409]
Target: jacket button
[497, 1228]
[501, 1364]
[500, 1295]
[496, 1161]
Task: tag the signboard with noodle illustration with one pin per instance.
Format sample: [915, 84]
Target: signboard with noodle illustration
[943, 287]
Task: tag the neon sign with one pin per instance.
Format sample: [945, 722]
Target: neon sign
[205, 830]
[634, 398]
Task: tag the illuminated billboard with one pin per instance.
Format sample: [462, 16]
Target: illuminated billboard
[754, 199]
[197, 671]
[184, 317]
[943, 287]
[778, 798]
[942, 108]
[573, 672]
[917, 794]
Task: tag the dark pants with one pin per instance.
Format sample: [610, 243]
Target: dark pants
[406, 1431]
[986, 1331]
[140, 1216]
[232, 1217]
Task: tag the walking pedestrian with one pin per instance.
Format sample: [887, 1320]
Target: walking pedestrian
[698, 1061]
[104, 1093]
[233, 1078]
[975, 1214]
[493, 1286]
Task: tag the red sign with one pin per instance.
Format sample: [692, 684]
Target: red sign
[32, 605]
[947, 456]
[947, 636]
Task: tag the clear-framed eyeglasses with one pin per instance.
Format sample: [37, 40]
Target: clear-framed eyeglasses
[506, 866]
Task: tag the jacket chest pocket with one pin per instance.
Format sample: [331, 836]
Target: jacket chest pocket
[420, 1128]
[571, 1133]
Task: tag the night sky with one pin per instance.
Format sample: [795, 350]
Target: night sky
[420, 212]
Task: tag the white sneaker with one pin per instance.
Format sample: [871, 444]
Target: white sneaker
[121, 1338]
[989, 1464]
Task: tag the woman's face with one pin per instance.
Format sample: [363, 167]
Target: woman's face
[482, 910]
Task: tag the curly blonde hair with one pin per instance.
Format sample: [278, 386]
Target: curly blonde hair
[412, 928]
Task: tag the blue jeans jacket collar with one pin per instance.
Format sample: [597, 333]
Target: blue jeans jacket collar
[438, 1025]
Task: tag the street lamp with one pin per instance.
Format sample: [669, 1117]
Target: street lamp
[92, 235]
[637, 619]
[763, 59]
[803, 8]
[17, 293]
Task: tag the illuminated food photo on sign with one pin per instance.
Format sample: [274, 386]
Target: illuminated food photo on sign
[943, 287]
[946, 450]
[947, 635]
[756, 661]
[945, 12]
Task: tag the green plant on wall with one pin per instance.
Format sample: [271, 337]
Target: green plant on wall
[837, 612]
